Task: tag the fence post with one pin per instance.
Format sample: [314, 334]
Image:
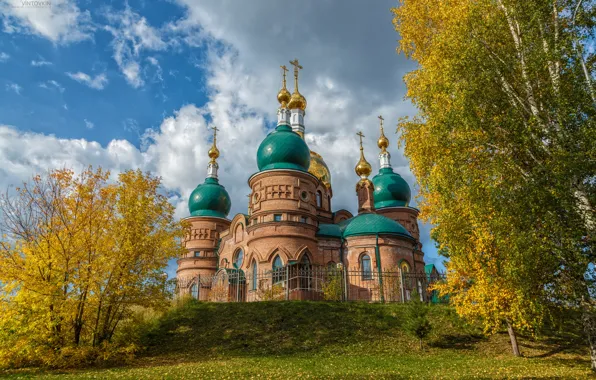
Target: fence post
[401, 286]
[345, 281]
[287, 282]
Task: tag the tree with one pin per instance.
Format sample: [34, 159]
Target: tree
[504, 148]
[76, 254]
[417, 323]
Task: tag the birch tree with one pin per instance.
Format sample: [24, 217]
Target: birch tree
[504, 148]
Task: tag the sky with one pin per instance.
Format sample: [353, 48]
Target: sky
[137, 84]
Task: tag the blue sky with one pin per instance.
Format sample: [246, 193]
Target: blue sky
[138, 83]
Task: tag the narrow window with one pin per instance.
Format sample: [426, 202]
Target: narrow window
[319, 199]
[194, 291]
[277, 218]
[254, 274]
[305, 272]
[366, 268]
[303, 219]
[278, 274]
[197, 253]
[238, 257]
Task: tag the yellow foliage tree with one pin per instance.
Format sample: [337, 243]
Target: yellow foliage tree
[77, 252]
[504, 150]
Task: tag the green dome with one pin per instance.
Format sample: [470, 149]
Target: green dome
[391, 190]
[209, 199]
[372, 224]
[283, 149]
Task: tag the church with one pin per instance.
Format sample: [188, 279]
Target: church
[291, 222]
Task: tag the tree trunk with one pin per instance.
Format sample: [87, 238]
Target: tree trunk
[590, 329]
[420, 344]
[592, 341]
[513, 338]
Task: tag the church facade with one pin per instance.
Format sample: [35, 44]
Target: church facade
[290, 219]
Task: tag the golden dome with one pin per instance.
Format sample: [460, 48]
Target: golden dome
[297, 101]
[319, 169]
[214, 152]
[363, 168]
[382, 142]
[283, 96]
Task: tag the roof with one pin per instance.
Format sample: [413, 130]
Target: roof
[363, 224]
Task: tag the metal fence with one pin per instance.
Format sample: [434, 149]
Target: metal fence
[299, 282]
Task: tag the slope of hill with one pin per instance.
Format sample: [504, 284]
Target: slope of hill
[330, 340]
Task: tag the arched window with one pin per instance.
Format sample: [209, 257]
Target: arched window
[278, 274]
[238, 257]
[194, 291]
[319, 199]
[366, 267]
[331, 266]
[254, 274]
[328, 202]
[304, 272]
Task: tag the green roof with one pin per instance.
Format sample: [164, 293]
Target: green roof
[372, 224]
[209, 199]
[363, 224]
[391, 190]
[331, 230]
[283, 149]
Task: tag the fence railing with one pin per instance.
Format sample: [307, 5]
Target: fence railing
[299, 282]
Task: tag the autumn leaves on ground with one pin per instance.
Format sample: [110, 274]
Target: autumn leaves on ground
[326, 340]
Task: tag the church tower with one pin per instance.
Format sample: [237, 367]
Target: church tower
[209, 206]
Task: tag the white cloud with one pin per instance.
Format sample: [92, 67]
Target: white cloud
[98, 82]
[14, 87]
[52, 84]
[60, 22]
[88, 124]
[132, 35]
[4, 56]
[41, 62]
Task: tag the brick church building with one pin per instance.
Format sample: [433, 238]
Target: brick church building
[290, 220]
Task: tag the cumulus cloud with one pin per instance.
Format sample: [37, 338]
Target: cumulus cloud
[60, 21]
[98, 82]
[132, 35]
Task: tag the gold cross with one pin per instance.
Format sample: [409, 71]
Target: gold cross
[361, 136]
[381, 119]
[215, 129]
[284, 71]
[296, 65]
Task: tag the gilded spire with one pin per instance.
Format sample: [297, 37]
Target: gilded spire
[214, 152]
[363, 168]
[382, 142]
[283, 96]
[296, 100]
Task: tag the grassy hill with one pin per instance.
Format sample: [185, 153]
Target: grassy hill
[330, 340]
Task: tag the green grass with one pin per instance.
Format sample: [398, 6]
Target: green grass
[328, 340]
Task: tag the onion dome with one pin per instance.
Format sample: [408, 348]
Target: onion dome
[363, 168]
[382, 142]
[319, 169]
[373, 224]
[283, 149]
[283, 96]
[391, 190]
[297, 101]
[209, 199]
